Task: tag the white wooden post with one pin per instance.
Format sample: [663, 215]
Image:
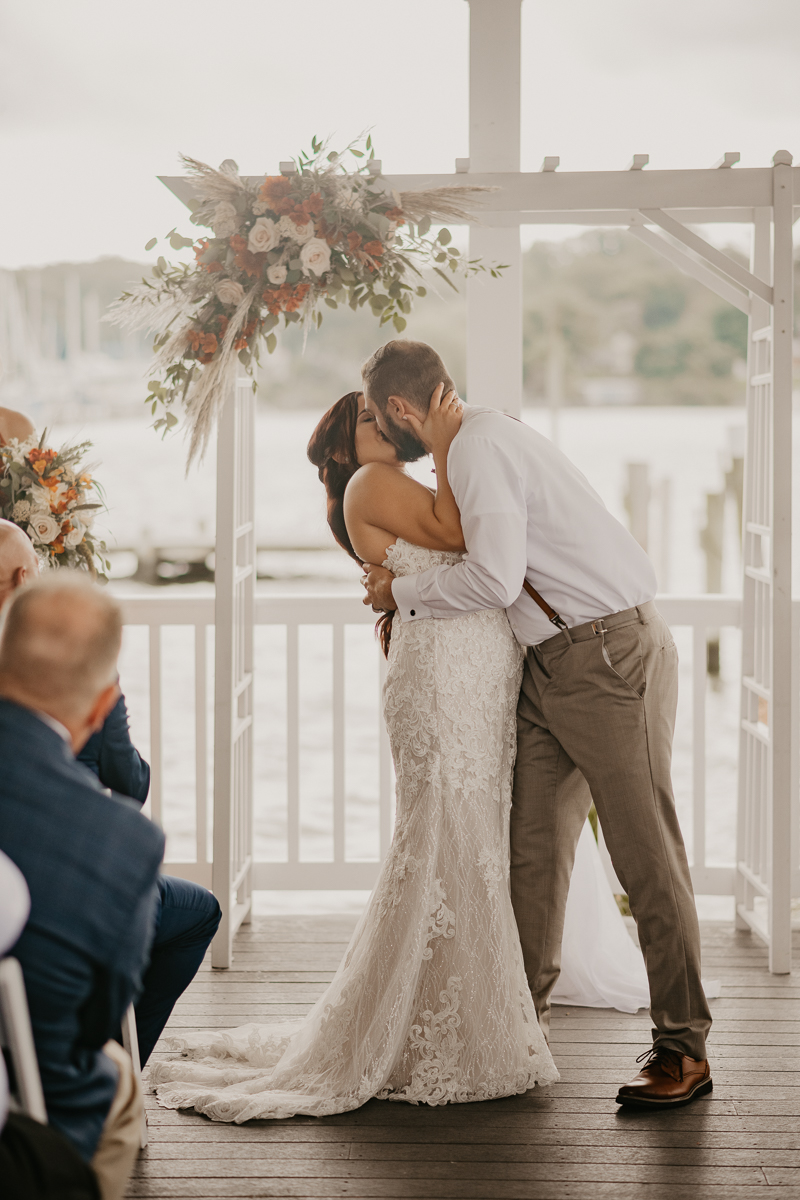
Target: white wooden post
[233, 681]
[767, 767]
[494, 306]
[784, 769]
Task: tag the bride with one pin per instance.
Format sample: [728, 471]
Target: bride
[431, 1003]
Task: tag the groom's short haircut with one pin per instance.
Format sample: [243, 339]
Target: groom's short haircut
[407, 369]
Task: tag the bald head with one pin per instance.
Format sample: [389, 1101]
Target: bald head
[59, 648]
[18, 561]
[14, 424]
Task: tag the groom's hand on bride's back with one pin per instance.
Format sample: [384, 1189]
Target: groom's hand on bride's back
[378, 582]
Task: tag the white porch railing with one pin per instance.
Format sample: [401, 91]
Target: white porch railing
[291, 619]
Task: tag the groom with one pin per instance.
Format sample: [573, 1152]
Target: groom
[596, 710]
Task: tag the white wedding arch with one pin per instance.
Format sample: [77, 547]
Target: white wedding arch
[659, 208]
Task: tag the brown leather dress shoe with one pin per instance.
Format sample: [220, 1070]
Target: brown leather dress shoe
[667, 1080]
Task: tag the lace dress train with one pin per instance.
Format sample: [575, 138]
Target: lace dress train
[430, 1003]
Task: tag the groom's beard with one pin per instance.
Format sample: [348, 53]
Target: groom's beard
[408, 446]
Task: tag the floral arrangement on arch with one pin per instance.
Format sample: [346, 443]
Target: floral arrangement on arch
[279, 248]
[49, 495]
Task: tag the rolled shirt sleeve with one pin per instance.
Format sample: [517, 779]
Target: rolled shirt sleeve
[489, 491]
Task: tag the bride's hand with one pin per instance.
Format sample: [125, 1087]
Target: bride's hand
[442, 423]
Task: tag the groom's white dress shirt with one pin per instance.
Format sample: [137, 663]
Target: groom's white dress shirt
[527, 513]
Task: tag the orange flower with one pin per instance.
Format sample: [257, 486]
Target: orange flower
[39, 466]
[276, 192]
[251, 264]
[285, 298]
[374, 248]
[353, 241]
[396, 215]
[314, 203]
[246, 334]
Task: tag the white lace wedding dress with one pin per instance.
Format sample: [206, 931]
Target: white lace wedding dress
[430, 1004]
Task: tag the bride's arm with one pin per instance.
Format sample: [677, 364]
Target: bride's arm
[380, 499]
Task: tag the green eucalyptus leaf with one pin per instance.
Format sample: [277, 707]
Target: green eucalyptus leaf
[244, 357]
[272, 342]
[444, 236]
[399, 322]
[447, 280]
[421, 291]
[149, 245]
[294, 276]
[331, 303]
[423, 226]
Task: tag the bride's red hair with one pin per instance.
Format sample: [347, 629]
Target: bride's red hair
[332, 450]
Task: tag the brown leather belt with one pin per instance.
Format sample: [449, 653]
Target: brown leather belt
[582, 633]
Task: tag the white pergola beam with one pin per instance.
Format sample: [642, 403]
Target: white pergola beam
[716, 257]
[706, 195]
[690, 266]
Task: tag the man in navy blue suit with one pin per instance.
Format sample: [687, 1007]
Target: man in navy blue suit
[187, 915]
[90, 861]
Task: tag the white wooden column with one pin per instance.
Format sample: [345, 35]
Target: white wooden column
[768, 738]
[494, 306]
[784, 768]
[234, 574]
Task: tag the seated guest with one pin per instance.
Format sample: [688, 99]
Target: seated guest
[90, 862]
[36, 1161]
[187, 915]
[14, 425]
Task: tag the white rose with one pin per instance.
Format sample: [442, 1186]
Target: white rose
[40, 502]
[276, 274]
[21, 510]
[45, 528]
[230, 292]
[226, 219]
[263, 236]
[75, 535]
[315, 256]
[297, 233]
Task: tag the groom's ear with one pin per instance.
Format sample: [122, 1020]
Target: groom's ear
[397, 407]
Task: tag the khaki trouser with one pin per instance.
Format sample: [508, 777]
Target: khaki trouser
[121, 1138]
[595, 720]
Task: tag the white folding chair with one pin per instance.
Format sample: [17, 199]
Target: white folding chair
[130, 1040]
[16, 1037]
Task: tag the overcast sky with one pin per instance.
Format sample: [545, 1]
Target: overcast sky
[97, 97]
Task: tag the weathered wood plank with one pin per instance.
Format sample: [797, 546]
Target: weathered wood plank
[568, 1142]
[397, 1169]
[322, 1189]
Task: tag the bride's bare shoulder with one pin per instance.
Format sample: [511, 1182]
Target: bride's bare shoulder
[377, 479]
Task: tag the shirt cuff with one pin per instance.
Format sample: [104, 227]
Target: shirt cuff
[404, 591]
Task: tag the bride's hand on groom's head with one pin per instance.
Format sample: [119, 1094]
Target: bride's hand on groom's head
[442, 423]
[378, 582]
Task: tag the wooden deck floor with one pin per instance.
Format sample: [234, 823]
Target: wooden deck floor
[567, 1142]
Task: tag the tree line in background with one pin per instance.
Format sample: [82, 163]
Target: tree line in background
[605, 320]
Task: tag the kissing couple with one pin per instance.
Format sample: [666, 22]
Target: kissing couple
[529, 674]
